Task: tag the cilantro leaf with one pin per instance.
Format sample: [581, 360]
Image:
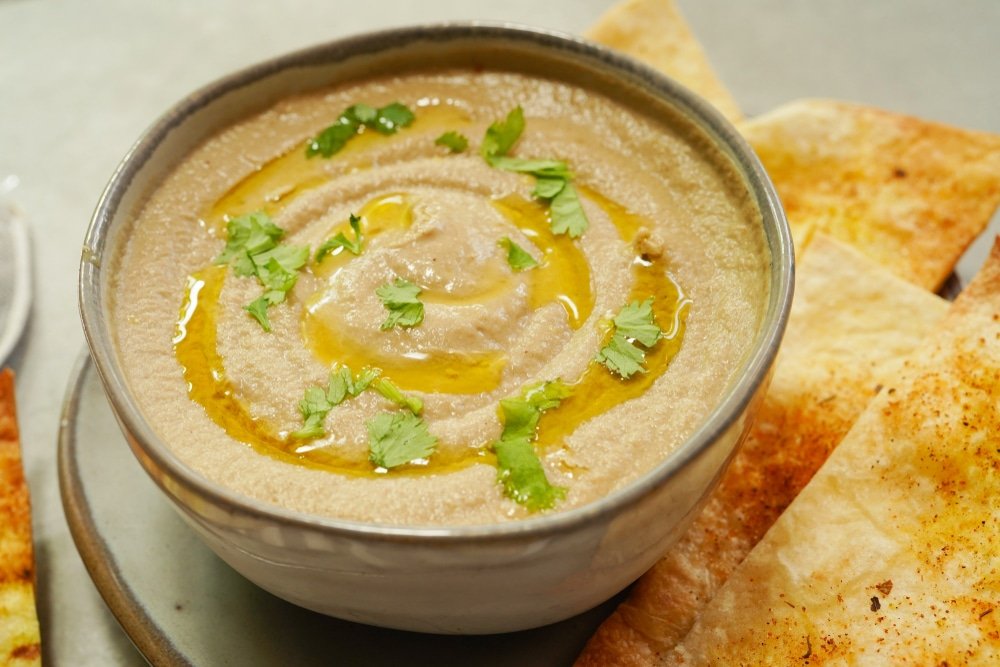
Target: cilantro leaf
[334, 138]
[502, 135]
[548, 187]
[318, 401]
[400, 299]
[386, 120]
[520, 418]
[622, 356]
[363, 379]
[339, 386]
[394, 394]
[636, 321]
[395, 438]
[311, 428]
[314, 408]
[341, 241]
[567, 213]
[276, 279]
[521, 414]
[362, 113]
[258, 308]
[553, 177]
[517, 257]
[520, 469]
[547, 395]
[522, 475]
[290, 258]
[252, 250]
[633, 323]
[248, 235]
[453, 141]
[537, 168]
[391, 117]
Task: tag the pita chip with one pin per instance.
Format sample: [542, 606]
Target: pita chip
[20, 643]
[654, 32]
[910, 194]
[891, 554]
[852, 323]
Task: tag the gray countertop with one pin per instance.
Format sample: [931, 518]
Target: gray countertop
[79, 81]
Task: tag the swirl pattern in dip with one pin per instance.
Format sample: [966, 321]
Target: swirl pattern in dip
[668, 220]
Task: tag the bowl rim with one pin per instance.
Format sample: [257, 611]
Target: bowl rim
[724, 415]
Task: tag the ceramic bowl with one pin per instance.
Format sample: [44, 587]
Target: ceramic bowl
[470, 579]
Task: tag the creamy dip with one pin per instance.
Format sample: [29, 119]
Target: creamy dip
[668, 219]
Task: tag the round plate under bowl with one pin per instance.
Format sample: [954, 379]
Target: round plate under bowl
[181, 605]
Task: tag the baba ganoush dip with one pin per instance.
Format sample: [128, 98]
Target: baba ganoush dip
[441, 298]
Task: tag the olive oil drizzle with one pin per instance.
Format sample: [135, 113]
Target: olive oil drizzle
[444, 371]
[562, 276]
[598, 390]
[208, 385]
[275, 184]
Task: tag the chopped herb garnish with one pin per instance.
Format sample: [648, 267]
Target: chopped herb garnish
[636, 321]
[248, 235]
[386, 120]
[362, 113]
[622, 356]
[520, 469]
[547, 188]
[252, 250]
[318, 401]
[391, 117]
[400, 299]
[258, 308]
[547, 395]
[453, 141]
[633, 324]
[518, 258]
[523, 476]
[502, 135]
[314, 408]
[567, 213]
[395, 438]
[520, 418]
[341, 241]
[549, 169]
[395, 394]
[553, 179]
[363, 379]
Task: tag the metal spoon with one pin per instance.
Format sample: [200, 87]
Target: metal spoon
[15, 278]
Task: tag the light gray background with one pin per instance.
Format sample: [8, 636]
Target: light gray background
[80, 80]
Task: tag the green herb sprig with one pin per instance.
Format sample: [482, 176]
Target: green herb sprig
[517, 257]
[341, 241]
[453, 141]
[385, 120]
[520, 470]
[395, 438]
[318, 401]
[252, 249]
[553, 182]
[633, 324]
[400, 299]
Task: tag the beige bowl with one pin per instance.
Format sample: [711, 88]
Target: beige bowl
[478, 579]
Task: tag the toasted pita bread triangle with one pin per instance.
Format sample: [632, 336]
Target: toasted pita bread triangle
[891, 554]
[851, 324]
[654, 32]
[19, 635]
[910, 194]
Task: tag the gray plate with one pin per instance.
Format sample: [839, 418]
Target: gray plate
[181, 605]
